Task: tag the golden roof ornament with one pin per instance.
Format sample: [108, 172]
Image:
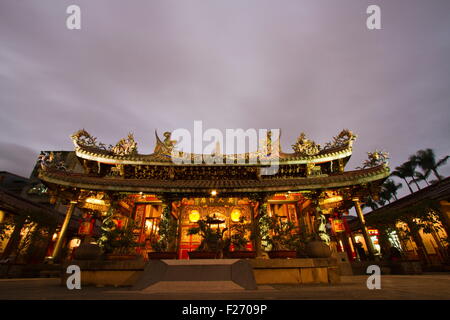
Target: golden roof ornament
[166, 146]
[82, 138]
[375, 158]
[125, 146]
[344, 138]
[51, 160]
[306, 146]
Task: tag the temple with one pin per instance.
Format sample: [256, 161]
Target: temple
[116, 184]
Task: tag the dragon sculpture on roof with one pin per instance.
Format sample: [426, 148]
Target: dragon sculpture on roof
[125, 146]
[308, 147]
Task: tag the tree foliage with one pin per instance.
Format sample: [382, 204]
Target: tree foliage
[167, 232]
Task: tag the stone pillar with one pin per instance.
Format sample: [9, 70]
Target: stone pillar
[256, 228]
[15, 237]
[261, 210]
[362, 222]
[172, 245]
[415, 234]
[444, 215]
[64, 227]
[169, 201]
[352, 238]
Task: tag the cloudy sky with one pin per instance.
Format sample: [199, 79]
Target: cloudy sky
[142, 65]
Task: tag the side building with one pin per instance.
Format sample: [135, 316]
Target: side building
[417, 225]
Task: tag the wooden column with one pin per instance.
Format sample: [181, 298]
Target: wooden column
[63, 231]
[362, 222]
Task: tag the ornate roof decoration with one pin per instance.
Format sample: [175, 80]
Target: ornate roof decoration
[308, 147]
[305, 146]
[269, 147]
[375, 159]
[51, 160]
[82, 138]
[164, 147]
[125, 146]
[345, 137]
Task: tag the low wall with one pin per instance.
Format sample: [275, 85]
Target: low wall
[30, 270]
[295, 271]
[107, 273]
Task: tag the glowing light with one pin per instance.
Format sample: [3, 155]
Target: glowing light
[75, 242]
[333, 199]
[194, 216]
[95, 201]
[236, 215]
[214, 193]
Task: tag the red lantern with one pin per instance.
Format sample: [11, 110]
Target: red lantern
[338, 225]
[86, 227]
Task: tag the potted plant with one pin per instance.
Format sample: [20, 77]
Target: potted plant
[238, 240]
[212, 242]
[280, 238]
[119, 243]
[165, 245]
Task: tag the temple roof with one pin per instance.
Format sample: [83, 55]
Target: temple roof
[125, 151]
[345, 179]
[105, 156]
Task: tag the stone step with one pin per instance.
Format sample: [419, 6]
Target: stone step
[232, 273]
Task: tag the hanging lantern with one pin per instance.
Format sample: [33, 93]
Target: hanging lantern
[236, 215]
[194, 216]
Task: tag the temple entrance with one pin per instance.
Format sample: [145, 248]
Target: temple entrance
[223, 212]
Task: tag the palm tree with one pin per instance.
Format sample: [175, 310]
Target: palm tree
[391, 187]
[370, 203]
[422, 177]
[406, 170]
[385, 195]
[427, 161]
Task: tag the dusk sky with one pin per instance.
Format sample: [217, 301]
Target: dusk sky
[142, 65]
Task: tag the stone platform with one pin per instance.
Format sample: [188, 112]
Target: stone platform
[234, 274]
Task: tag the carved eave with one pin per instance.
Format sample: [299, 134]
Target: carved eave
[347, 179]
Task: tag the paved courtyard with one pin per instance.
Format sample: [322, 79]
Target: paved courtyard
[426, 286]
